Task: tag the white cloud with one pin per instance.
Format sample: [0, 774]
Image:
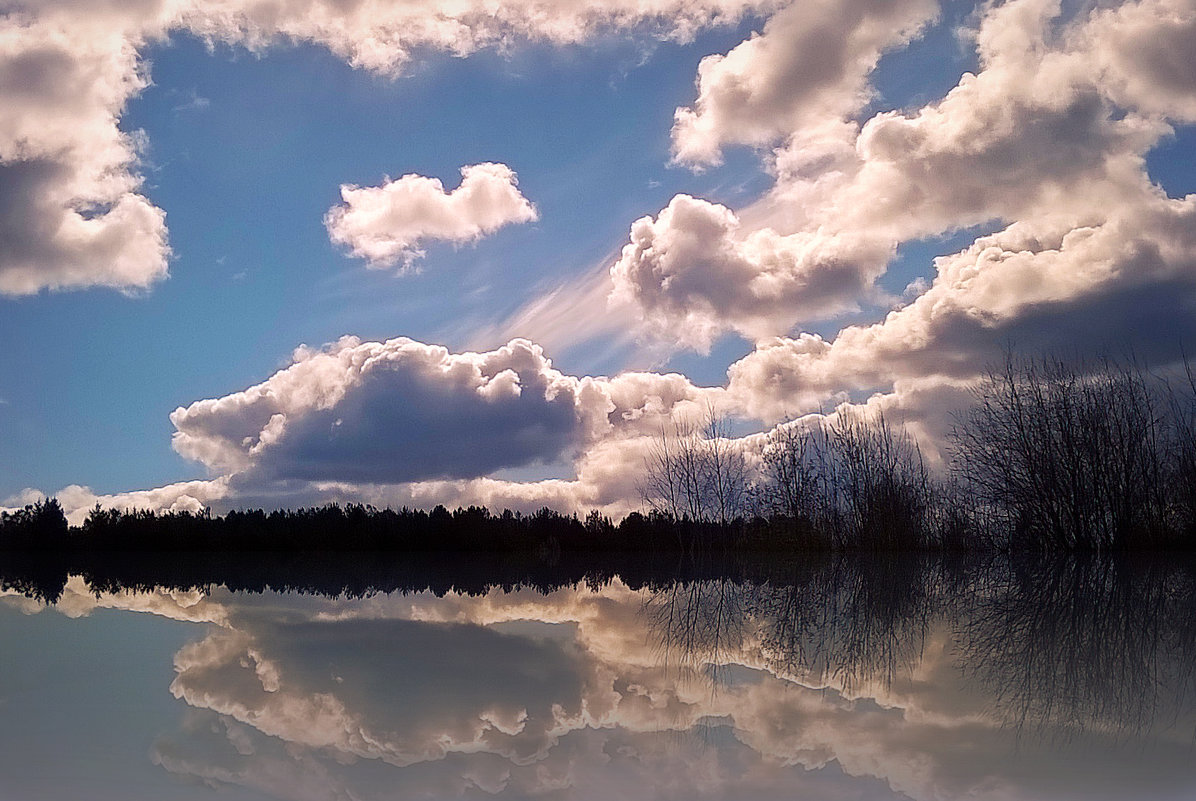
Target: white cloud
[356, 415]
[811, 63]
[71, 214]
[1039, 139]
[387, 224]
[77, 501]
[1128, 282]
[693, 272]
[1045, 144]
[401, 423]
[1148, 53]
[27, 496]
[380, 35]
[390, 411]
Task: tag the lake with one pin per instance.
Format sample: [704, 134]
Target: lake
[833, 678]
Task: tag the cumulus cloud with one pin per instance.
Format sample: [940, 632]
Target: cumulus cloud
[694, 271]
[1033, 133]
[401, 411]
[1045, 144]
[380, 36]
[77, 501]
[389, 411]
[1044, 147]
[401, 423]
[183, 496]
[1130, 281]
[71, 214]
[608, 477]
[810, 63]
[386, 224]
[1146, 51]
[1039, 139]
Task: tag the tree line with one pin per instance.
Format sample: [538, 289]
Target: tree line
[356, 527]
[1051, 455]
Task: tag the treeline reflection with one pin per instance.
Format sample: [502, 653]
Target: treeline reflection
[1062, 645]
[1077, 644]
[836, 620]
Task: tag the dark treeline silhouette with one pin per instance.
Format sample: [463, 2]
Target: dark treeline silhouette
[39, 526]
[354, 550]
[357, 527]
[1052, 455]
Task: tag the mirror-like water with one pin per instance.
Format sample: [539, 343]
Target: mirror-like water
[842, 679]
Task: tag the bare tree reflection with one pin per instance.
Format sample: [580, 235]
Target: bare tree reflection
[1070, 646]
[1058, 647]
[852, 622]
[700, 625]
[844, 620]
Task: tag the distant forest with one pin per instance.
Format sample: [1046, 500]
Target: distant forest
[1051, 456]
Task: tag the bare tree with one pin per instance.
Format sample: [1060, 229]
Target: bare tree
[1067, 455]
[697, 472]
[879, 484]
[853, 481]
[791, 484]
[1181, 453]
[727, 476]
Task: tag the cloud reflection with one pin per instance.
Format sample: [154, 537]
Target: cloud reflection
[832, 679]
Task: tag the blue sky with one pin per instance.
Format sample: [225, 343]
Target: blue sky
[829, 187]
[245, 176]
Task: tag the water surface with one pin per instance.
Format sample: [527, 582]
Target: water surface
[843, 678]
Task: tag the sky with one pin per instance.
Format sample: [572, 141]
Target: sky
[284, 252]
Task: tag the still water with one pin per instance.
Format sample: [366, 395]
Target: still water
[845, 679]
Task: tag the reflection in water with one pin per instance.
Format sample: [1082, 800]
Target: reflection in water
[833, 621]
[1066, 646]
[852, 622]
[832, 678]
[1061, 646]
